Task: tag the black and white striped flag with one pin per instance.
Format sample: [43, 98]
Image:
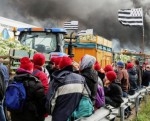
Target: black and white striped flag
[72, 25]
[131, 17]
[85, 32]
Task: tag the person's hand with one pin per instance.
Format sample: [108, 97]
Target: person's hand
[102, 70]
[107, 83]
[75, 65]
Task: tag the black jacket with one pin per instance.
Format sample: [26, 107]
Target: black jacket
[113, 95]
[146, 78]
[33, 109]
[133, 77]
[101, 75]
[91, 78]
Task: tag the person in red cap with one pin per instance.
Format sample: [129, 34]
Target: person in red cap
[39, 61]
[33, 108]
[101, 75]
[113, 92]
[53, 65]
[133, 77]
[107, 68]
[68, 92]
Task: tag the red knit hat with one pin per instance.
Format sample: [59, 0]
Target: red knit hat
[97, 66]
[111, 76]
[52, 60]
[56, 60]
[26, 64]
[38, 59]
[108, 68]
[129, 65]
[64, 62]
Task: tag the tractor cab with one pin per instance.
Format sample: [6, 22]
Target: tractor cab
[44, 40]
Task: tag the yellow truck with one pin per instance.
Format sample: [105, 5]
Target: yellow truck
[97, 46]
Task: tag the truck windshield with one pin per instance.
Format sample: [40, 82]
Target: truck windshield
[40, 41]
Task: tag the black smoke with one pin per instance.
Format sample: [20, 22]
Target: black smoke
[101, 15]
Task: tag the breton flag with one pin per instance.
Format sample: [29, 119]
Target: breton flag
[72, 25]
[131, 17]
[85, 32]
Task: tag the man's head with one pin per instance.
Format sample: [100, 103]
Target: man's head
[120, 65]
[148, 67]
[137, 62]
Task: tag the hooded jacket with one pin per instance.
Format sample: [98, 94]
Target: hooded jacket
[65, 92]
[33, 109]
[91, 76]
[42, 77]
[113, 95]
[133, 78]
[146, 77]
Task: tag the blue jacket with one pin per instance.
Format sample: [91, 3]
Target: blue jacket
[65, 93]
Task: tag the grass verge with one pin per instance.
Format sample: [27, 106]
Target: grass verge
[144, 113]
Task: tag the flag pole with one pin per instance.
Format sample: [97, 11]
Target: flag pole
[143, 41]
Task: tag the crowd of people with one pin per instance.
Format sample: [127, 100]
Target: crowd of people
[67, 91]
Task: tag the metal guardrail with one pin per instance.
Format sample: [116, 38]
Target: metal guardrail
[108, 112]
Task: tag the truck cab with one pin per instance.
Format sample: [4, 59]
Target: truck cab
[44, 40]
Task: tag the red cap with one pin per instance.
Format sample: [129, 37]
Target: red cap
[38, 59]
[56, 60]
[64, 62]
[97, 66]
[108, 68]
[129, 65]
[26, 64]
[111, 76]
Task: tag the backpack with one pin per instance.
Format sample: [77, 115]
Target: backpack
[100, 97]
[2, 86]
[15, 96]
[85, 107]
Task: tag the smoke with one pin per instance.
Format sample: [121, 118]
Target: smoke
[101, 15]
[116, 45]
